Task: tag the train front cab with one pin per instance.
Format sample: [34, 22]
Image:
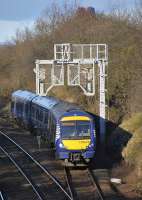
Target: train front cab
[77, 138]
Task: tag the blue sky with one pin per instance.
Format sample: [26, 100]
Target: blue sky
[16, 14]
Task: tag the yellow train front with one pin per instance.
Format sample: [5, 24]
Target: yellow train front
[75, 138]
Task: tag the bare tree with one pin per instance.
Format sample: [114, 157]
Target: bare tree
[138, 12]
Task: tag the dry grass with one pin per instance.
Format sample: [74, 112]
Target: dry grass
[132, 124]
[127, 139]
[132, 152]
[134, 147]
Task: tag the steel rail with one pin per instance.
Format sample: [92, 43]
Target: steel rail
[35, 188]
[1, 196]
[40, 166]
[70, 184]
[96, 184]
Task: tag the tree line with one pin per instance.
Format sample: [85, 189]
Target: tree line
[74, 24]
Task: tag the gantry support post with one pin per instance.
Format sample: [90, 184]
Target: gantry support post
[102, 102]
[37, 77]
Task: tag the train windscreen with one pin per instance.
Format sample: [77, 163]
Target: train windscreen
[75, 129]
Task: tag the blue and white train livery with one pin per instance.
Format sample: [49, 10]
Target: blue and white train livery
[70, 129]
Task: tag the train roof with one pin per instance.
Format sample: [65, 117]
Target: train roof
[63, 107]
[56, 106]
[46, 102]
[23, 95]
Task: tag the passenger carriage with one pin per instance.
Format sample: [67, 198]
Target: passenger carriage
[70, 129]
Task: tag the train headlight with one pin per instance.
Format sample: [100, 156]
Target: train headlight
[61, 145]
[91, 145]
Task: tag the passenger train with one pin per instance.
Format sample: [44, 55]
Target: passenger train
[66, 126]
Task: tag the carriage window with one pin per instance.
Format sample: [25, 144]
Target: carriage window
[19, 107]
[45, 117]
[26, 108]
[32, 111]
[12, 104]
[37, 113]
[40, 115]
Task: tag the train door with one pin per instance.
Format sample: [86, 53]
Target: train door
[45, 123]
[52, 129]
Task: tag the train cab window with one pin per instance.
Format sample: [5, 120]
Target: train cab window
[83, 128]
[68, 129]
[75, 129]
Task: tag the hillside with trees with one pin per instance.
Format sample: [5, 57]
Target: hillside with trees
[122, 31]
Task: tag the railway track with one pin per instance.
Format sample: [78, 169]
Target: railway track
[29, 168]
[102, 189]
[96, 184]
[2, 196]
[69, 181]
[97, 191]
[105, 189]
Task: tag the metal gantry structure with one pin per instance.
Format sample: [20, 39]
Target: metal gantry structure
[76, 65]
